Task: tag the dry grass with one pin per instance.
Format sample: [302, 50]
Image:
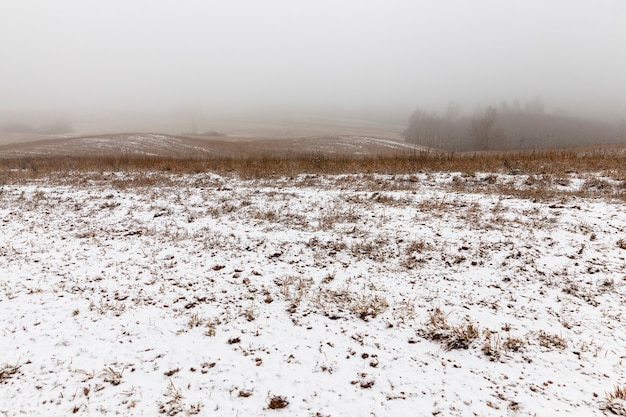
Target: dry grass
[112, 376]
[537, 176]
[7, 371]
[277, 402]
[451, 337]
[617, 393]
[616, 401]
[553, 163]
[551, 341]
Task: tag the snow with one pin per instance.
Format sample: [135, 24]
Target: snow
[389, 143]
[211, 295]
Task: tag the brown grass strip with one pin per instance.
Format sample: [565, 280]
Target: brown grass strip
[267, 166]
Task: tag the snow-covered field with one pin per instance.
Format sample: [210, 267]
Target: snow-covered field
[351, 295]
[198, 147]
[127, 144]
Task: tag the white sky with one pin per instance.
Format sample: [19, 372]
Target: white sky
[157, 54]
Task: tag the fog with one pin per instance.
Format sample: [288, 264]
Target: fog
[76, 58]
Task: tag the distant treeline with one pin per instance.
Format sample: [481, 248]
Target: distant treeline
[58, 127]
[508, 127]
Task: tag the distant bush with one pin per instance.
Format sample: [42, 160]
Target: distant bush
[206, 133]
[213, 133]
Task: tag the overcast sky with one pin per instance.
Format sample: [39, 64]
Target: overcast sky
[157, 54]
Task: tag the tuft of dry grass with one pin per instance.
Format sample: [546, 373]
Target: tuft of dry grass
[617, 393]
[112, 376]
[174, 405]
[616, 401]
[495, 345]
[551, 341]
[369, 306]
[7, 371]
[195, 320]
[277, 402]
[451, 337]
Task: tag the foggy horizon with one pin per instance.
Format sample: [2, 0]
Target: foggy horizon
[218, 59]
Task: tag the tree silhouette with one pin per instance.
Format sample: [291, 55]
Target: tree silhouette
[482, 128]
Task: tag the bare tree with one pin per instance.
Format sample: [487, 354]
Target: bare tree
[414, 132]
[453, 112]
[482, 128]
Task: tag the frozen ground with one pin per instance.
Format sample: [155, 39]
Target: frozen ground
[430, 294]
